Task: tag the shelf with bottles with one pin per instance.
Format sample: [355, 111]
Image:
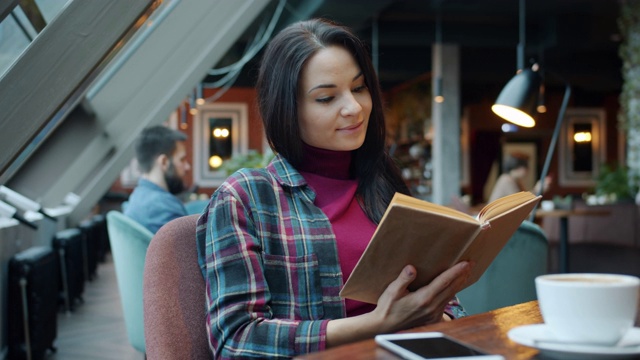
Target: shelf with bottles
[414, 160]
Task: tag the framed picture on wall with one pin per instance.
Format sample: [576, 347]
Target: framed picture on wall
[220, 133]
[582, 146]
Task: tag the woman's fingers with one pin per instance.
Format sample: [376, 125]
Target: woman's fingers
[398, 287]
[457, 274]
[444, 287]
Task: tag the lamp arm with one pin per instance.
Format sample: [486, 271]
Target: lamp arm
[552, 145]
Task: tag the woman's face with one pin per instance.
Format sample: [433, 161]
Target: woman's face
[334, 103]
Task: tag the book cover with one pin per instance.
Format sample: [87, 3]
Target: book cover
[433, 238]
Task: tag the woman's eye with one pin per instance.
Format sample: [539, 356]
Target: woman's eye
[359, 88]
[325, 99]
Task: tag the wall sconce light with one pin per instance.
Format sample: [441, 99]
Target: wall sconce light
[220, 142]
[220, 133]
[582, 137]
[215, 161]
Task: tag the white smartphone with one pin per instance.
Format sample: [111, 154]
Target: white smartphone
[431, 345]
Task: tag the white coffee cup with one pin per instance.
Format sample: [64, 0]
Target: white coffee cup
[588, 308]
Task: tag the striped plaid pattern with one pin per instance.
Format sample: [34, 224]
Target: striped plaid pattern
[270, 262]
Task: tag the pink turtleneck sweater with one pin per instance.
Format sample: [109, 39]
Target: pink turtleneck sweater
[327, 172]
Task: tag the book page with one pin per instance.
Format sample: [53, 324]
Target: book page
[503, 204]
[409, 201]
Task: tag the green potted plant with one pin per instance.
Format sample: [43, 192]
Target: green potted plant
[613, 184]
[252, 159]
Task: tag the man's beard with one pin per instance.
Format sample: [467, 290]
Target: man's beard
[175, 185]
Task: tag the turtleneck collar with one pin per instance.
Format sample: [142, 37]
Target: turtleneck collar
[327, 163]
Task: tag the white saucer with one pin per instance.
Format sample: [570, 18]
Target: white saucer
[538, 336]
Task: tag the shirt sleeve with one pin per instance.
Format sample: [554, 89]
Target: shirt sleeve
[454, 309]
[241, 309]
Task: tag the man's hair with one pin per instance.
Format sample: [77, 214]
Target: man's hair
[153, 142]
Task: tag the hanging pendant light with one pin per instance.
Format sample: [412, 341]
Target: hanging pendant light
[519, 98]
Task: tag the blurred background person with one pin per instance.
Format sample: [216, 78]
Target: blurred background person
[514, 170]
[162, 160]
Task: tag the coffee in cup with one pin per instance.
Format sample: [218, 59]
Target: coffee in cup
[588, 308]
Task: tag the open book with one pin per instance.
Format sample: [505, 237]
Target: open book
[433, 238]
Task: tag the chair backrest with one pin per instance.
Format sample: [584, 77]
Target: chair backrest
[174, 294]
[509, 280]
[129, 241]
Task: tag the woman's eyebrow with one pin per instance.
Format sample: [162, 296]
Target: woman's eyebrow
[321, 86]
[329, 86]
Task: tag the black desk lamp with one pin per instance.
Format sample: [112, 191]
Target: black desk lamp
[518, 100]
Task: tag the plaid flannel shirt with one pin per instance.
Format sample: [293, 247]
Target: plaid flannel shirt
[270, 262]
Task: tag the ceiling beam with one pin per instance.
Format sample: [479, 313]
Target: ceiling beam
[55, 65]
[6, 7]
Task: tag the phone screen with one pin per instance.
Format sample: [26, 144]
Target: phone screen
[436, 347]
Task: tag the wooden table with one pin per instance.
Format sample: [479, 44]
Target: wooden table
[487, 331]
[563, 216]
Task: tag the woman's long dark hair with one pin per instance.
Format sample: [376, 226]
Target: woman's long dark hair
[277, 87]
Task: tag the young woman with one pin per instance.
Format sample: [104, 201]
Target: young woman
[276, 244]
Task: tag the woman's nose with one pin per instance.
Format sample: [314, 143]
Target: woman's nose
[351, 106]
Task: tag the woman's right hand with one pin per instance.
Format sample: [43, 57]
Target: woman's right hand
[400, 309]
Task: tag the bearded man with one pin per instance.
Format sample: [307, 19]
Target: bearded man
[162, 160]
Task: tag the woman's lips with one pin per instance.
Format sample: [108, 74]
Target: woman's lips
[352, 127]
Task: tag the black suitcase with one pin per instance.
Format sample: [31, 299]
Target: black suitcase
[69, 246]
[32, 303]
[100, 228]
[90, 243]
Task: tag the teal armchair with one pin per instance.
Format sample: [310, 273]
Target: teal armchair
[129, 242]
[196, 206]
[509, 280]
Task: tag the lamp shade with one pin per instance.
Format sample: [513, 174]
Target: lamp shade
[518, 99]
